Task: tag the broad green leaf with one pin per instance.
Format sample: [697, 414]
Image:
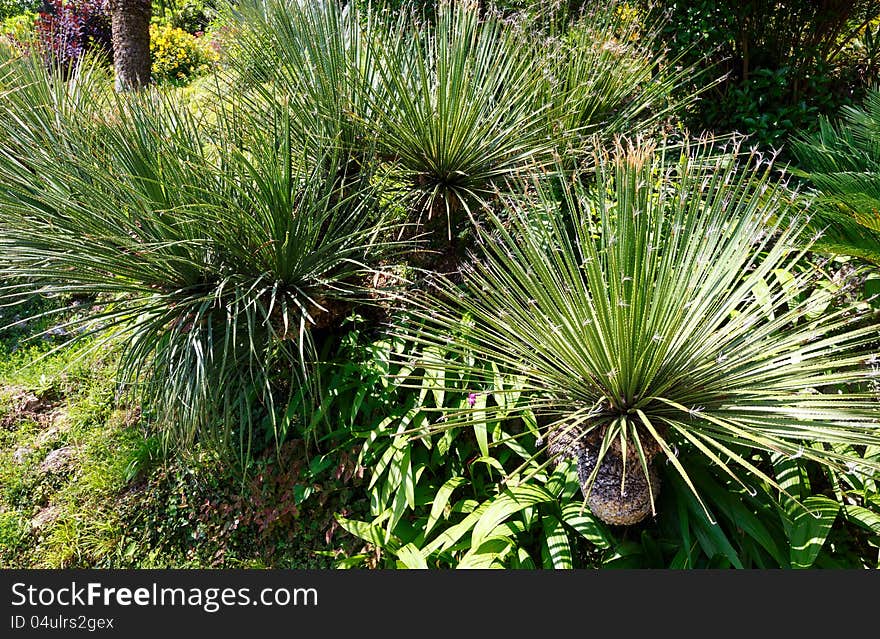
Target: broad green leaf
[819, 301]
[411, 557]
[711, 538]
[408, 477]
[579, 517]
[491, 462]
[510, 502]
[563, 482]
[789, 476]
[626, 555]
[788, 283]
[398, 507]
[868, 519]
[369, 532]
[810, 529]
[449, 537]
[524, 560]
[555, 547]
[435, 375]
[733, 506]
[481, 428]
[490, 554]
[764, 297]
[444, 493]
[681, 560]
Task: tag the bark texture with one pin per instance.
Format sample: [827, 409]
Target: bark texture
[131, 43]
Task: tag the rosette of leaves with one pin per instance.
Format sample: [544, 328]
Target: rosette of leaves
[220, 253]
[458, 107]
[652, 315]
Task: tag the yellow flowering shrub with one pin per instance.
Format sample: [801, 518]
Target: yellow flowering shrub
[178, 55]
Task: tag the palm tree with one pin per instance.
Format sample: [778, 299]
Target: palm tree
[645, 319]
[130, 25]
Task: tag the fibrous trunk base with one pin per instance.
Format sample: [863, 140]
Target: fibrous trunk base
[619, 496]
[613, 498]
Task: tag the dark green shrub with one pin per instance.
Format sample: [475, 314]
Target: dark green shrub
[193, 16]
[783, 63]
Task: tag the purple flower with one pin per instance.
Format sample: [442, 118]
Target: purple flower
[472, 399]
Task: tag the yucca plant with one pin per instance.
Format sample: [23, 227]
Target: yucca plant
[656, 314]
[842, 161]
[605, 76]
[217, 251]
[471, 102]
[314, 60]
[458, 108]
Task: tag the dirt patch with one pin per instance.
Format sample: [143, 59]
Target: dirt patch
[28, 406]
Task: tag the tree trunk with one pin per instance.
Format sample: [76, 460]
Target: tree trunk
[131, 43]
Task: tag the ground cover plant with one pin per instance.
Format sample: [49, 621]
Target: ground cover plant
[431, 286]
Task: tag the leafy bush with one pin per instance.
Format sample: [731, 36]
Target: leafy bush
[176, 54]
[194, 16]
[13, 8]
[784, 64]
[429, 493]
[431, 486]
[19, 28]
[67, 29]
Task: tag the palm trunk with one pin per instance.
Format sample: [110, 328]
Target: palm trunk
[131, 43]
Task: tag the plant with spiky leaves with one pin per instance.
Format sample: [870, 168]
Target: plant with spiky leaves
[461, 108]
[842, 160]
[645, 319]
[457, 105]
[219, 250]
[313, 60]
[605, 77]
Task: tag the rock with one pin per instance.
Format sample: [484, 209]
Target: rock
[47, 436]
[58, 460]
[45, 516]
[21, 454]
[25, 405]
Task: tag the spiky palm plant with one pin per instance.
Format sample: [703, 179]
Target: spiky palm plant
[218, 250]
[314, 60]
[644, 320]
[605, 76]
[842, 161]
[458, 107]
[470, 103]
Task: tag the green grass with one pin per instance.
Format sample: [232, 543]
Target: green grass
[120, 502]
